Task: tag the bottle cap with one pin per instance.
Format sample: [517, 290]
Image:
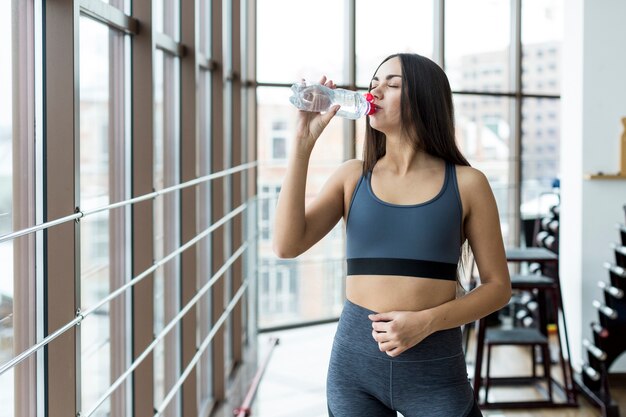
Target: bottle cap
[369, 97]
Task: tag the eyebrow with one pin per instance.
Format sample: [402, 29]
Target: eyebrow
[390, 76]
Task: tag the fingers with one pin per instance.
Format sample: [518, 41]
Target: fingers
[379, 326]
[327, 117]
[382, 316]
[327, 82]
[380, 336]
[384, 345]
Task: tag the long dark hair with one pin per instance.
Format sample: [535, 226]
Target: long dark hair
[427, 113]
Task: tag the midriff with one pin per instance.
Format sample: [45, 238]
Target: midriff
[384, 293]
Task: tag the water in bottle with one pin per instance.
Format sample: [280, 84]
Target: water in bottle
[319, 98]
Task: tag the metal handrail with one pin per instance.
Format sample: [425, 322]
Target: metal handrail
[84, 213]
[201, 349]
[81, 315]
[167, 328]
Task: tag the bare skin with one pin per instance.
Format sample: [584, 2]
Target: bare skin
[410, 308]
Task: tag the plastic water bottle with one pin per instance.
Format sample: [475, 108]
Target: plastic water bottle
[319, 98]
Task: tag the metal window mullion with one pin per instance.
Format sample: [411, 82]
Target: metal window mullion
[349, 126]
[39, 200]
[24, 206]
[188, 170]
[250, 53]
[142, 213]
[119, 343]
[230, 75]
[237, 180]
[439, 32]
[217, 194]
[61, 245]
[515, 174]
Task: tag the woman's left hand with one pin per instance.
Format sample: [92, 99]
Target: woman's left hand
[397, 331]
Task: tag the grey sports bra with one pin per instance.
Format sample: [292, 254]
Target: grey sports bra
[418, 240]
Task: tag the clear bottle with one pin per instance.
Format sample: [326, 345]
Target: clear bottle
[319, 98]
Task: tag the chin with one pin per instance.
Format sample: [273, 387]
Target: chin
[376, 126]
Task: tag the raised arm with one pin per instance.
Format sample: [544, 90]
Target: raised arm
[297, 228]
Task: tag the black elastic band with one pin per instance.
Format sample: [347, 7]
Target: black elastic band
[407, 267]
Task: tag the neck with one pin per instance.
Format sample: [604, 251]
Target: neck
[401, 157]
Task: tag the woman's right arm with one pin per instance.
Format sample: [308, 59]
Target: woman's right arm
[297, 228]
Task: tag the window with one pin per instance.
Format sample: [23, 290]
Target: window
[268, 198]
[6, 203]
[290, 51]
[485, 141]
[276, 118]
[95, 191]
[279, 140]
[467, 48]
[540, 164]
[410, 30]
[166, 225]
[542, 32]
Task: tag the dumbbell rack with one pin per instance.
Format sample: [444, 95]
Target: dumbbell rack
[608, 334]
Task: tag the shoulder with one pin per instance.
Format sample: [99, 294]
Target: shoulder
[470, 177]
[473, 185]
[350, 170]
[346, 175]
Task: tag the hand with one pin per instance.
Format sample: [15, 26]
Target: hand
[310, 125]
[397, 331]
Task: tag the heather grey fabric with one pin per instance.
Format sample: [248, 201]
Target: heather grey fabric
[428, 380]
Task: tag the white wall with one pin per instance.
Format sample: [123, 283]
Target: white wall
[593, 103]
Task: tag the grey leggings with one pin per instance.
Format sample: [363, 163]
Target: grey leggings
[428, 380]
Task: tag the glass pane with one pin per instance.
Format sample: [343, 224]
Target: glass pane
[205, 376]
[158, 172]
[205, 27]
[171, 22]
[94, 192]
[542, 34]
[541, 143]
[309, 287]
[166, 230]
[410, 30]
[477, 45]
[483, 134]
[303, 41]
[6, 204]
[158, 7]
[360, 134]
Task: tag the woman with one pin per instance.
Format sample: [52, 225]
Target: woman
[408, 207]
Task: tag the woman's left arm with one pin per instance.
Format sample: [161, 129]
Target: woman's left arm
[482, 230]
[397, 331]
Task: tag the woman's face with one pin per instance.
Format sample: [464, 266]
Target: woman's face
[387, 91]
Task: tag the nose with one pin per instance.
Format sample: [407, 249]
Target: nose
[376, 92]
